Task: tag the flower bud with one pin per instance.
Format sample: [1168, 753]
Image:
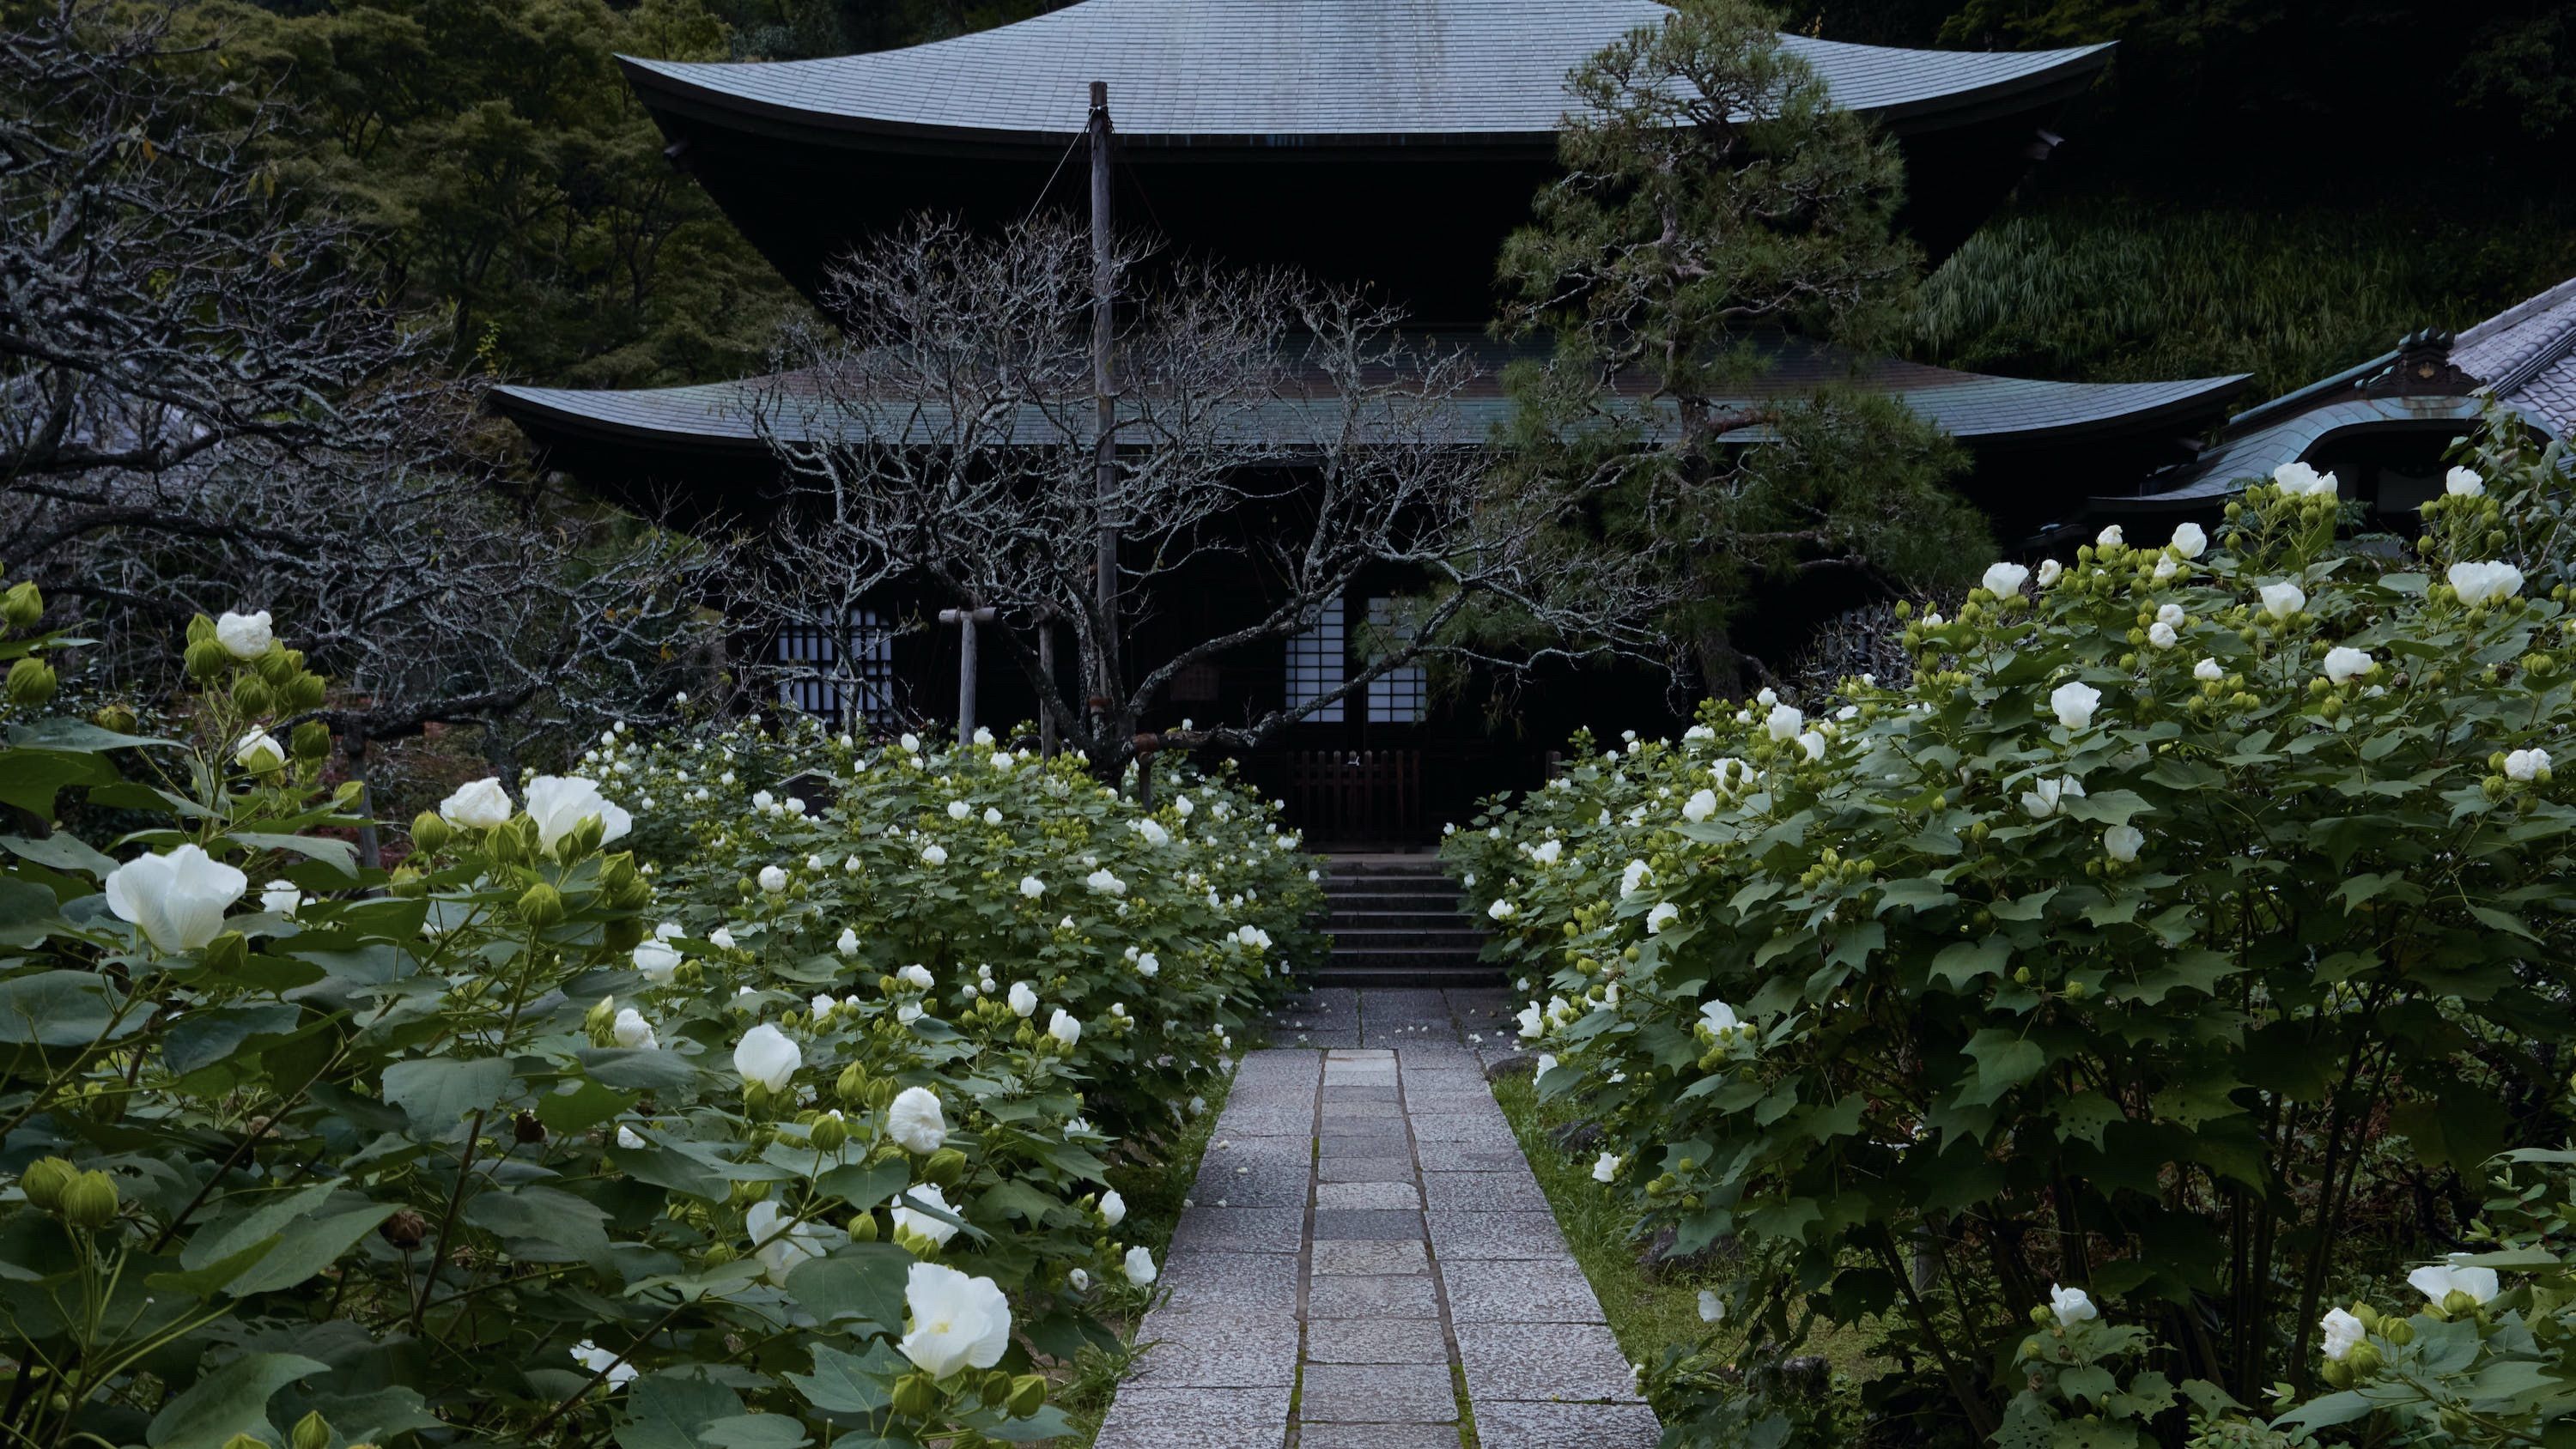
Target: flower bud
[89, 1201]
[252, 697]
[428, 832]
[44, 1180]
[996, 1388]
[22, 606]
[853, 1083]
[311, 1432]
[311, 740]
[542, 906]
[2364, 1360]
[829, 1133]
[581, 840]
[1028, 1395]
[277, 667]
[116, 719]
[863, 1228]
[2397, 1331]
[406, 884]
[304, 692]
[245, 1441]
[944, 1167]
[31, 683]
[721, 1254]
[207, 661]
[914, 1395]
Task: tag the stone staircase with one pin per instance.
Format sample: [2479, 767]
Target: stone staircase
[1396, 922]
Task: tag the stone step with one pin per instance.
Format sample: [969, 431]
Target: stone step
[1458, 938]
[1396, 920]
[1387, 891]
[1384, 977]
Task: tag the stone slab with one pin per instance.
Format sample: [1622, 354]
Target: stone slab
[1217, 1350]
[1209, 1228]
[1391, 1143]
[1544, 1361]
[1234, 1282]
[1372, 1297]
[1469, 1157]
[1507, 1425]
[1377, 1393]
[1343, 1256]
[1377, 1436]
[1234, 1181]
[1458, 1236]
[1525, 1291]
[1469, 1127]
[1360, 1111]
[1366, 1223]
[1367, 1195]
[1515, 1192]
[1145, 1418]
[1364, 1169]
[1376, 1340]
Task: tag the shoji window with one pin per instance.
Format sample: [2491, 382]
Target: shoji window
[1397, 696]
[820, 668]
[1316, 664]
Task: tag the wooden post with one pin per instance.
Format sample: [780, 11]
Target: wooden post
[1047, 690]
[965, 620]
[1105, 428]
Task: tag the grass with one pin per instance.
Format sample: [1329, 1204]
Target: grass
[1647, 1313]
[1154, 1191]
[2119, 289]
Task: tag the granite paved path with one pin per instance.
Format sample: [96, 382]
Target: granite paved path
[1367, 1262]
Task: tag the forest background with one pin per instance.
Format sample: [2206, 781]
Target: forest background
[2277, 186]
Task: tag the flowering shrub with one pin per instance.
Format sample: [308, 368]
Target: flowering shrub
[2184, 891]
[988, 891]
[502, 1147]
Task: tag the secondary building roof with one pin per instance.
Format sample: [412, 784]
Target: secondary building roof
[2430, 385]
[1292, 73]
[698, 451]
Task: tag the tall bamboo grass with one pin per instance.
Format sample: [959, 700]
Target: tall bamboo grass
[2118, 291]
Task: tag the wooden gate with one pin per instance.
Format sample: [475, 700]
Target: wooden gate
[1355, 795]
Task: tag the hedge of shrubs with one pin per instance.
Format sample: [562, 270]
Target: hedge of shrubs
[747, 1090]
[2105, 1015]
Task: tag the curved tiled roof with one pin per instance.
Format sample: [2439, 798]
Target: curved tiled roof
[1292, 72]
[2526, 355]
[718, 417]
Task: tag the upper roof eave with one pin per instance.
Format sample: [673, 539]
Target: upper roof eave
[1288, 75]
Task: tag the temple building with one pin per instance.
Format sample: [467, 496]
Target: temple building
[1391, 142]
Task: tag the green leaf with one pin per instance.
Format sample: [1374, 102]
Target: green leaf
[62, 851]
[29, 779]
[667, 1409]
[438, 1092]
[1918, 892]
[841, 1384]
[312, 1246]
[62, 732]
[2004, 1060]
[755, 1431]
[338, 854]
[637, 1069]
[865, 1187]
[2327, 1412]
[543, 1225]
[2085, 1116]
[61, 1009]
[231, 1400]
[2460, 1130]
[586, 1106]
[28, 913]
[251, 1217]
[859, 1284]
[204, 1037]
[1962, 963]
[2110, 807]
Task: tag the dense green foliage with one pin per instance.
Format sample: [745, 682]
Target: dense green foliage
[2190, 928]
[1715, 204]
[478, 1149]
[503, 169]
[2130, 290]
